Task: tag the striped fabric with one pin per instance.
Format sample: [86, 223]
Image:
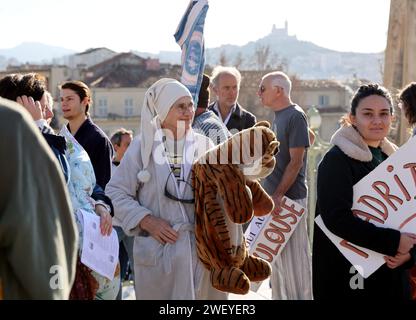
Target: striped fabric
[47, 129]
[210, 126]
[190, 37]
[44, 126]
[175, 162]
[291, 277]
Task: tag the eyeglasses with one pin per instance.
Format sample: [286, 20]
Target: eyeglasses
[263, 88]
[182, 108]
[174, 198]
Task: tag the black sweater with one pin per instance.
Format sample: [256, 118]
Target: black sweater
[99, 149]
[240, 119]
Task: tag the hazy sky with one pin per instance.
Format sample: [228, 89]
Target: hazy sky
[149, 25]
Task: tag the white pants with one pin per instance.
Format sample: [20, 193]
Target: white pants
[291, 277]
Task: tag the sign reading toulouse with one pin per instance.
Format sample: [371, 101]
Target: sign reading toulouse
[387, 198]
[267, 236]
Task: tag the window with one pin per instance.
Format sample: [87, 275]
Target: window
[102, 107]
[128, 107]
[323, 101]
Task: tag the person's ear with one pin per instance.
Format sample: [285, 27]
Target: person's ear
[85, 101]
[352, 119]
[279, 91]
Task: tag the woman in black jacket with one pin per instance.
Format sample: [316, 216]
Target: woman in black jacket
[360, 145]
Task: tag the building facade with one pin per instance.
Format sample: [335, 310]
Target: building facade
[54, 75]
[89, 58]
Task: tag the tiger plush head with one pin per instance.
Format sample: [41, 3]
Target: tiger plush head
[252, 149]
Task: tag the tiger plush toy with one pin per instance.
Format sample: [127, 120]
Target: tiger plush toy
[227, 195]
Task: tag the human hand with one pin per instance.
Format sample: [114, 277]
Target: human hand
[159, 229]
[277, 198]
[407, 241]
[397, 261]
[106, 222]
[34, 107]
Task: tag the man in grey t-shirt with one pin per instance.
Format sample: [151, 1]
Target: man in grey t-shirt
[291, 277]
[291, 128]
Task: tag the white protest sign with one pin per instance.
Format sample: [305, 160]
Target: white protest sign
[267, 236]
[254, 228]
[358, 256]
[385, 197]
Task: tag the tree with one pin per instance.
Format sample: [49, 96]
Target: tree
[223, 60]
[284, 65]
[261, 56]
[239, 60]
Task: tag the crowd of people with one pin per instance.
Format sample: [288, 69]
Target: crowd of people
[142, 187]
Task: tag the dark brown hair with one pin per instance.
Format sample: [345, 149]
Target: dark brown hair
[9, 86]
[32, 85]
[117, 136]
[363, 92]
[16, 85]
[408, 98]
[81, 89]
[367, 90]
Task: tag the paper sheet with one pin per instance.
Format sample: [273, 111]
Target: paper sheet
[100, 253]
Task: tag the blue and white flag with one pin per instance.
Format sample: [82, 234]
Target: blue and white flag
[190, 37]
